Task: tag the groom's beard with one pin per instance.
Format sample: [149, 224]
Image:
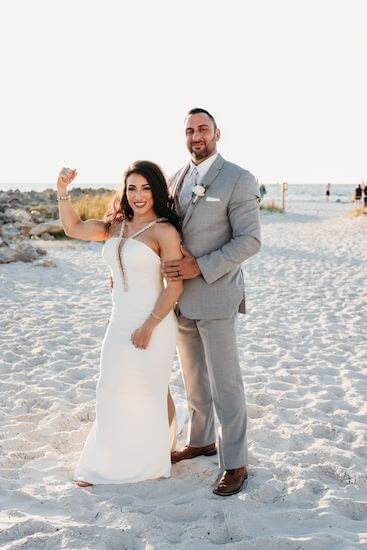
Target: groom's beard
[202, 154]
[206, 151]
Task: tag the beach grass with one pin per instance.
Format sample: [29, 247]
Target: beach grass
[359, 211]
[95, 207]
[271, 208]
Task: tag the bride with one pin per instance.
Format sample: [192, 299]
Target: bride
[130, 440]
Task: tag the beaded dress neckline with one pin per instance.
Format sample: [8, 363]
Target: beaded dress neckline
[121, 243]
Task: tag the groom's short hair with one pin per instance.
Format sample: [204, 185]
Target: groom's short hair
[197, 110]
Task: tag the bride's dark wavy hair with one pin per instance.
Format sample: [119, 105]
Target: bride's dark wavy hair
[163, 203]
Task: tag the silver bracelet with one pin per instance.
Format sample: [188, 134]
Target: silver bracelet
[63, 197]
[156, 316]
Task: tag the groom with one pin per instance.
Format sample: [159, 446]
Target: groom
[218, 205]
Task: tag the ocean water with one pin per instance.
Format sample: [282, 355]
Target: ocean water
[311, 192]
[296, 192]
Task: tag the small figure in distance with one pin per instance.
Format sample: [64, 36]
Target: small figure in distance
[262, 190]
[328, 189]
[365, 193]
[358, 195]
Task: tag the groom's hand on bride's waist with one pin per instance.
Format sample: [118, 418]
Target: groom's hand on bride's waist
[177, 270]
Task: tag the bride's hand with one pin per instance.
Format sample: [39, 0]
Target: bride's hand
[141, 336]
[66, 176]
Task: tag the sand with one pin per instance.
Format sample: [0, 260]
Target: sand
[304, 361]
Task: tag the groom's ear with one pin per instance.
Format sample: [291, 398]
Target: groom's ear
[217, 134]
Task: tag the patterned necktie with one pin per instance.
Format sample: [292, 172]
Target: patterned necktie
[186, 193]
[194, 177]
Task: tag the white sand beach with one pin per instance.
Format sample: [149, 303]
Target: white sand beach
[304, 362]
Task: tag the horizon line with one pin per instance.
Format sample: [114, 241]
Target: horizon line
[265, 182]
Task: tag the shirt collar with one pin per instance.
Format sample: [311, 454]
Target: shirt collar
[203, 167]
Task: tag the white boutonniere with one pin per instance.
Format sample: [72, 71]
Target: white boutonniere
[197, 191]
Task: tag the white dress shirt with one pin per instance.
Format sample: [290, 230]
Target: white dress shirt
[187, 185]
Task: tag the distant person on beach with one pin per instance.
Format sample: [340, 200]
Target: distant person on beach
[262, 190]
[358, 195]
[328, 190]
[129, 440]
[365, 194]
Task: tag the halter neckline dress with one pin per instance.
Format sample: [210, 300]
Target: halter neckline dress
[129, 440]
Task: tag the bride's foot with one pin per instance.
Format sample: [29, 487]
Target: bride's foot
[84, 484]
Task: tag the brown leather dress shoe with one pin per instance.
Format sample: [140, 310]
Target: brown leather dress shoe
[191, 452]
[231, 482]
[84, 484]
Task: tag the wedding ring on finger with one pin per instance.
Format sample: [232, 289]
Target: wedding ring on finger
[178, 274]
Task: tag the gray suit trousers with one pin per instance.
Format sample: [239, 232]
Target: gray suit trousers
[209, 361]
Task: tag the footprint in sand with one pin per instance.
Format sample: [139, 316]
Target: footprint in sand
[264, 399]
[323, 431]
[356, 510]
[272, 491]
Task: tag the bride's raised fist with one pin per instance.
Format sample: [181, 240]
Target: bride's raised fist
[66, 176]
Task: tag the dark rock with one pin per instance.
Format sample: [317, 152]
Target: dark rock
[8, 255]
[52, 226]
[45, 263]
[46, 211]
[23, 252]
[25, 227]
[9, 231]
[17, 215]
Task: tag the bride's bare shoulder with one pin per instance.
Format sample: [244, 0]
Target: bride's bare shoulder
[168, 240]
[164, 229]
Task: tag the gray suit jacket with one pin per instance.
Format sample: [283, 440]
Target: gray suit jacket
[221, 235]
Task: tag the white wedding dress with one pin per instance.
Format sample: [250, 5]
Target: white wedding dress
[130, 440]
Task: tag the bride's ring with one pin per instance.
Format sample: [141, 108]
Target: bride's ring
[178, 274]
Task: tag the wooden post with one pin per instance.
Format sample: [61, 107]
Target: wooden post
[284, 189]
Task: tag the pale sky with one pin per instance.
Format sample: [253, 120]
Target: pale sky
[95, 85]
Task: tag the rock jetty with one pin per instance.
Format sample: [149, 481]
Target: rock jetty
[30, 216]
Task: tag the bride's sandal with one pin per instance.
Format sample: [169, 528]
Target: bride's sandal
[84, 484]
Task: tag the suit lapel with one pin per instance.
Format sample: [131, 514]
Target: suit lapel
[178, 184]
[207, 180]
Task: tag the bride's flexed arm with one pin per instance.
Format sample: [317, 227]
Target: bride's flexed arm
[90, 230]
[169, 245]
